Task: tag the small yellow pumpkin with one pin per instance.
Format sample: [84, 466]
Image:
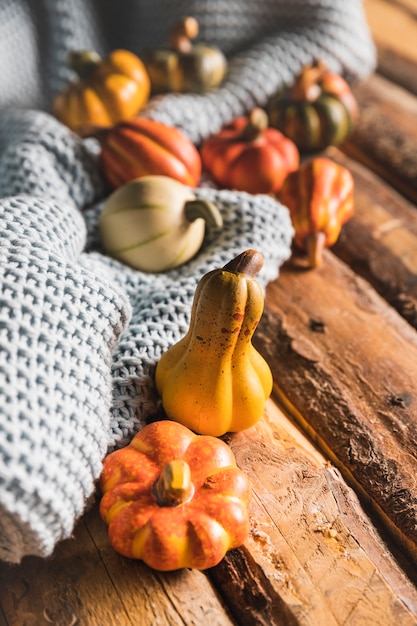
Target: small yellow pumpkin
[213, 380]
[106, 92]
[155, 223]
[185, 66]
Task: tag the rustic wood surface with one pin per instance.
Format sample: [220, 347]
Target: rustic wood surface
[333, 462]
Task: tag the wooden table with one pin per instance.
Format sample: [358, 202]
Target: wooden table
[333, 462]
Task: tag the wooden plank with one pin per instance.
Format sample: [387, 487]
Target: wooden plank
[312, 556]
[393, 24]
[397, 68]
[385, 136]
[86, 582]
[345, 366]
[380, 242]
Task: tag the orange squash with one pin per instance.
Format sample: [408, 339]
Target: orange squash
[249, 156]
[174, 499]
[319, 196]
[107, 90]
[144, 147]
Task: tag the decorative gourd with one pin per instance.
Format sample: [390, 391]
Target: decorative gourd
[319, 197]
[144, 147]
[213, 380]
[155, 223]
[107, 90]
[174, 499]
[185, 66]
[249, 156]
[319, 110]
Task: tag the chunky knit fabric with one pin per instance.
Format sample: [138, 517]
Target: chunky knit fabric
[80, 333]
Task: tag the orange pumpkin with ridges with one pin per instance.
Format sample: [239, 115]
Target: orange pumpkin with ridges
[174, 499]
[248, 155]
[107, 90]
[319, 196]
[145, 147]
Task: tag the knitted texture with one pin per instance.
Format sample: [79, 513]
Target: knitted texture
[80, 333]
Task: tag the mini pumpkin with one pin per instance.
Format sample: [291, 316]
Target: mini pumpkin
[174, 499]
[144, 147]
[319, 196]
[213, 380]
[185, 66]
[249, 156]
[319, 110]
[155, 223]
[107, 90]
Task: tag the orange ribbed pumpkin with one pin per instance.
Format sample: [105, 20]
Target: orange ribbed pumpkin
[174, 499]
[319, 196]
[107, 91]
[143, 147]
[250, 156]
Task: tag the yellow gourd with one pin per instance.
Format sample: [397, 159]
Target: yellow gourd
[213, 380]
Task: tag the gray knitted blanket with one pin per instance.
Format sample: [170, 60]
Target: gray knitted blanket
[80, 333]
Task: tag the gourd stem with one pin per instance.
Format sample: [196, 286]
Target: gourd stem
[315, 243]
[195, 209]
[182, 35]
[174, 486]
[248, 262]
[83, 62]
[256, 124]
[306, 86]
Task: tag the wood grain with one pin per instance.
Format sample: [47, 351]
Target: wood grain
[345, 365]
[312, 557]
[385, 136]
[380, 242]
[86, 582]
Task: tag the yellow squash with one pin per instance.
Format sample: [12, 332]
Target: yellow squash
[213, 380]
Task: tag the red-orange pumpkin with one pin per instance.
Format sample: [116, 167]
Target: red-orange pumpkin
[174, 499]
[144, 147]
[249, 156]
[319, 196]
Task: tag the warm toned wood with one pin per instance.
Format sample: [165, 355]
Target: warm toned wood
[393, 24]
[385, 136]
[380, 241]
[86, 582]
[397, 68]
[313, 558]
[346, 365]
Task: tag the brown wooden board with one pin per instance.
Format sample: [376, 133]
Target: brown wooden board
[380, 242]
[312, 558]
[345, 365]
[385, 136]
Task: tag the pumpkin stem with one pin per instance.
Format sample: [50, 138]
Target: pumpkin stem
[83, 62]
[174, 486]
[203, 208]
[183, 33]
[314, 243]
[256, 124]
[306, 86]
[248, 262]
